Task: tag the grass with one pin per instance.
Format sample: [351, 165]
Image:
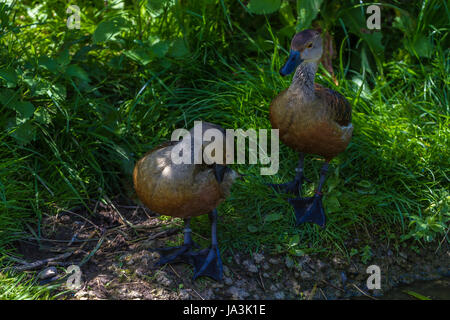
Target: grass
[98, 104]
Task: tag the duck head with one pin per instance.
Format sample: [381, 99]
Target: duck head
[306, 46]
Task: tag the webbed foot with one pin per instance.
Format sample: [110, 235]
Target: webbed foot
[309, 210]
[208, 263]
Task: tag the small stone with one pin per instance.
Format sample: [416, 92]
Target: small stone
[274, 261]
[305, 275]
[250, 266]
[279, 295]
[289, 262]
[266, 266]
[266, 275]
[258, 258]
[321, 265]
[273, 287]
[161, 278]
[403, 255]
[227, 281]
[343, 278]
[238, 293]
[47, 273]
[226, 271]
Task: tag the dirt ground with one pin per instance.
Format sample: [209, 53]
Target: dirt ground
[113, 248]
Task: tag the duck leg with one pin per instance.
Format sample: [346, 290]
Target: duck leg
[207, 262]
[295, 186]
[311, 209]
[180, 253]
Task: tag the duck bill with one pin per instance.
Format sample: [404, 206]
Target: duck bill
[291, 64]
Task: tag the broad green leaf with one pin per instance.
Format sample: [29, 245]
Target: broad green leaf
[160, 48]
[63, 58]
[307, 11]
[294, 240]
[9, 75]
[332, 204]
[423, 46]
[76, 71]
[178, 48]
[139, 55]
[107, 30]
[264, 6]
[251, 228]
[42, 116]
[272, 217]
[24, 133]
[24, 108]
[8, 96]
[48, 63]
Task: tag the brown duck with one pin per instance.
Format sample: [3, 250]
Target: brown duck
[311, 119]
[185, 191]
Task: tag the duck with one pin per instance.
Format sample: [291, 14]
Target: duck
[185, 190]
[311, 119]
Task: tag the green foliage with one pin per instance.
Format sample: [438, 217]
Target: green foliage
[80, 106]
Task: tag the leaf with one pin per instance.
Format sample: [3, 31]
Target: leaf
[160, 48]
[47, 63]
[272, 217]
[264, 6]
[251, 228]
[332, 204]
[294, 240]
[24, 108]
[24, 133]
[416, 295]
[107, 30]
[76, 71]
[139, 55]
[42, 116]
[307, 11]
[178, 48]
[10, 76]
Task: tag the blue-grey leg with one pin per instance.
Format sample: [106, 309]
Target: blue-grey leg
[208, 262]
[311, 209]
[295, 186]
[180, 253]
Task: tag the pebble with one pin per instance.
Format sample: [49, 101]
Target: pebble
[48, 273]
[274, 261]
[250, 266]
[279, 295]
[258, 258]
[289, 262]
[161, 278]
[226, 271]
[228, 281]
[238, 293]
[305, 275]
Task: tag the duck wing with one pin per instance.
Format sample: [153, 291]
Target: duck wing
[338, 107]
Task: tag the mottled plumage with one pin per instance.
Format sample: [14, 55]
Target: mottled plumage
[179, 190]
[311, 119]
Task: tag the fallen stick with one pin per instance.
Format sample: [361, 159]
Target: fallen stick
[39, 263]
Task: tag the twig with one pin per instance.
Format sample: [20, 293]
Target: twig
[367, 295]
[39, 263]
[164, 234]
[262, 282]
[79, 216]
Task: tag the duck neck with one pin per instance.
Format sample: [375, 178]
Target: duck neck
[303, 81]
